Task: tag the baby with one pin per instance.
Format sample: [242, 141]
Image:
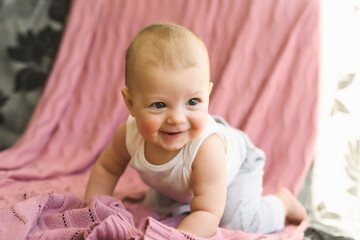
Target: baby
[194, 163]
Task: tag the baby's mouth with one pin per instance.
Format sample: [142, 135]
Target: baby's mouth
[172, 133]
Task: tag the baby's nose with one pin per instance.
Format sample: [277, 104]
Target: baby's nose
[176, 117]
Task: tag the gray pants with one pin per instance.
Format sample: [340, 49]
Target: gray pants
[246, 209]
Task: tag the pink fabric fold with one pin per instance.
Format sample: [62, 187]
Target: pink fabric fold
[65, 216]
[264, 60]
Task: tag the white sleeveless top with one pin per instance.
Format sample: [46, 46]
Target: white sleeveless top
[173, 178]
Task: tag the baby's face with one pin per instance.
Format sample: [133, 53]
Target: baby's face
[170, 105]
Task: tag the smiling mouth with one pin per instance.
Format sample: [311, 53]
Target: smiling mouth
[172, 133]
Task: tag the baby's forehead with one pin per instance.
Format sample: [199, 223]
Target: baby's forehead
[185, 51]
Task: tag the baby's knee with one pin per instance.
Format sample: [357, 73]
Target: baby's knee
[264, 216]
[241, 218]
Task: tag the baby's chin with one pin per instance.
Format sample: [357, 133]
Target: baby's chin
[174, 148]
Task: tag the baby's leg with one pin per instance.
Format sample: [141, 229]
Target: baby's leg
[246, 209]
[254, 215]
[162, 204]
[295, 212]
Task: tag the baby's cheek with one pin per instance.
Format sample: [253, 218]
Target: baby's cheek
[199, 124]
[148, 126]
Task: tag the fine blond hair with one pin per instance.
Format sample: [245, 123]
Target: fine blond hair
[169, 43]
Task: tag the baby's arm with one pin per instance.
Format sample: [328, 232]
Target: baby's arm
[109, 167]
[209, 186]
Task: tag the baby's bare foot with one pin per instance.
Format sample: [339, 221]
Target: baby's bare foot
[295, 211]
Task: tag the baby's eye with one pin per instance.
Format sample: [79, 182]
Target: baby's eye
[158, 105]
[193, 101]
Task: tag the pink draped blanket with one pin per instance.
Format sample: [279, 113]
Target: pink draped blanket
[265, 61]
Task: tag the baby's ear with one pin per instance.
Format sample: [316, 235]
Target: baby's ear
[210, 87]
[128, 101]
